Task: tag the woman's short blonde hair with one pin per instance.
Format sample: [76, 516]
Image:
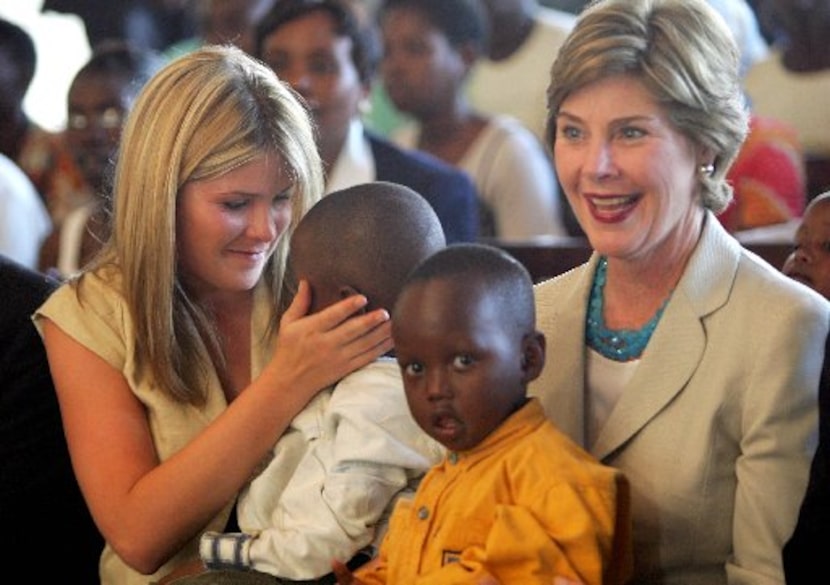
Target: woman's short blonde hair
[684, 54]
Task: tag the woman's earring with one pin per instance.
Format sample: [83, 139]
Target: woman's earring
[706, 170]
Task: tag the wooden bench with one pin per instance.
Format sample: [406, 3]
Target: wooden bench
[545, 261]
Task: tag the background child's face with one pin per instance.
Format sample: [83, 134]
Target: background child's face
[810, 260]
[462, 370]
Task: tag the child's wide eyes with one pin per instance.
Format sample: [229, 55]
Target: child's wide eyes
[413, 369]
[462, 362]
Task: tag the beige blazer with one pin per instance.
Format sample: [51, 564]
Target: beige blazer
[717, 426]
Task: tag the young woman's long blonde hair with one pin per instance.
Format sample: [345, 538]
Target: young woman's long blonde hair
[203, 115]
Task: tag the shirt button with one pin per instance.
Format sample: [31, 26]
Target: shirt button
[423, 513]
[453, 458]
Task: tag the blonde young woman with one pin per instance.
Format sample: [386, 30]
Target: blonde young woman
[679, 357]
[172, 380]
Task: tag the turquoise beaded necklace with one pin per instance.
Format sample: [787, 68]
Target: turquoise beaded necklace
[620, 345]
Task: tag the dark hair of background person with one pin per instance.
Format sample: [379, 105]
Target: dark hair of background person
[18, 60]
[18, 44]
[123, 58]
[152, 24]
[366, 50]
[461, 22]
[572, 6]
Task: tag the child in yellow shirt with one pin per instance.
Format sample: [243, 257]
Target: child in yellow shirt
[514, 500]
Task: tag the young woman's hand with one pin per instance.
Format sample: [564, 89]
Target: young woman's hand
[317, 350]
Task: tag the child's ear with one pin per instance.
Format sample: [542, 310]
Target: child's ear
[533, 356]
[345, 291]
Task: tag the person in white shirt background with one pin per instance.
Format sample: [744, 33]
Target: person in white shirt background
[24, 221]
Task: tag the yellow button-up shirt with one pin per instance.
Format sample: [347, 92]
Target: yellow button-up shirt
[525, 505]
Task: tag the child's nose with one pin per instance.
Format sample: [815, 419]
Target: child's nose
[437, 386]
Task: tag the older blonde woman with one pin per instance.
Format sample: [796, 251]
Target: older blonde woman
[675, 354]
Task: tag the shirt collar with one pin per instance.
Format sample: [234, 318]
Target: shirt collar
[355, 163]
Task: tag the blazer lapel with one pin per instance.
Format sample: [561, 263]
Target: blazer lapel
[670, 359]
[679, 341]
[565, 362]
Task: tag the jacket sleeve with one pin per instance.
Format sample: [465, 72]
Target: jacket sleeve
[779, 433]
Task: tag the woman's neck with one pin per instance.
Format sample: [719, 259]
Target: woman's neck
[233, 323]
[330, 152]
[450, 133]
[637, 287]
